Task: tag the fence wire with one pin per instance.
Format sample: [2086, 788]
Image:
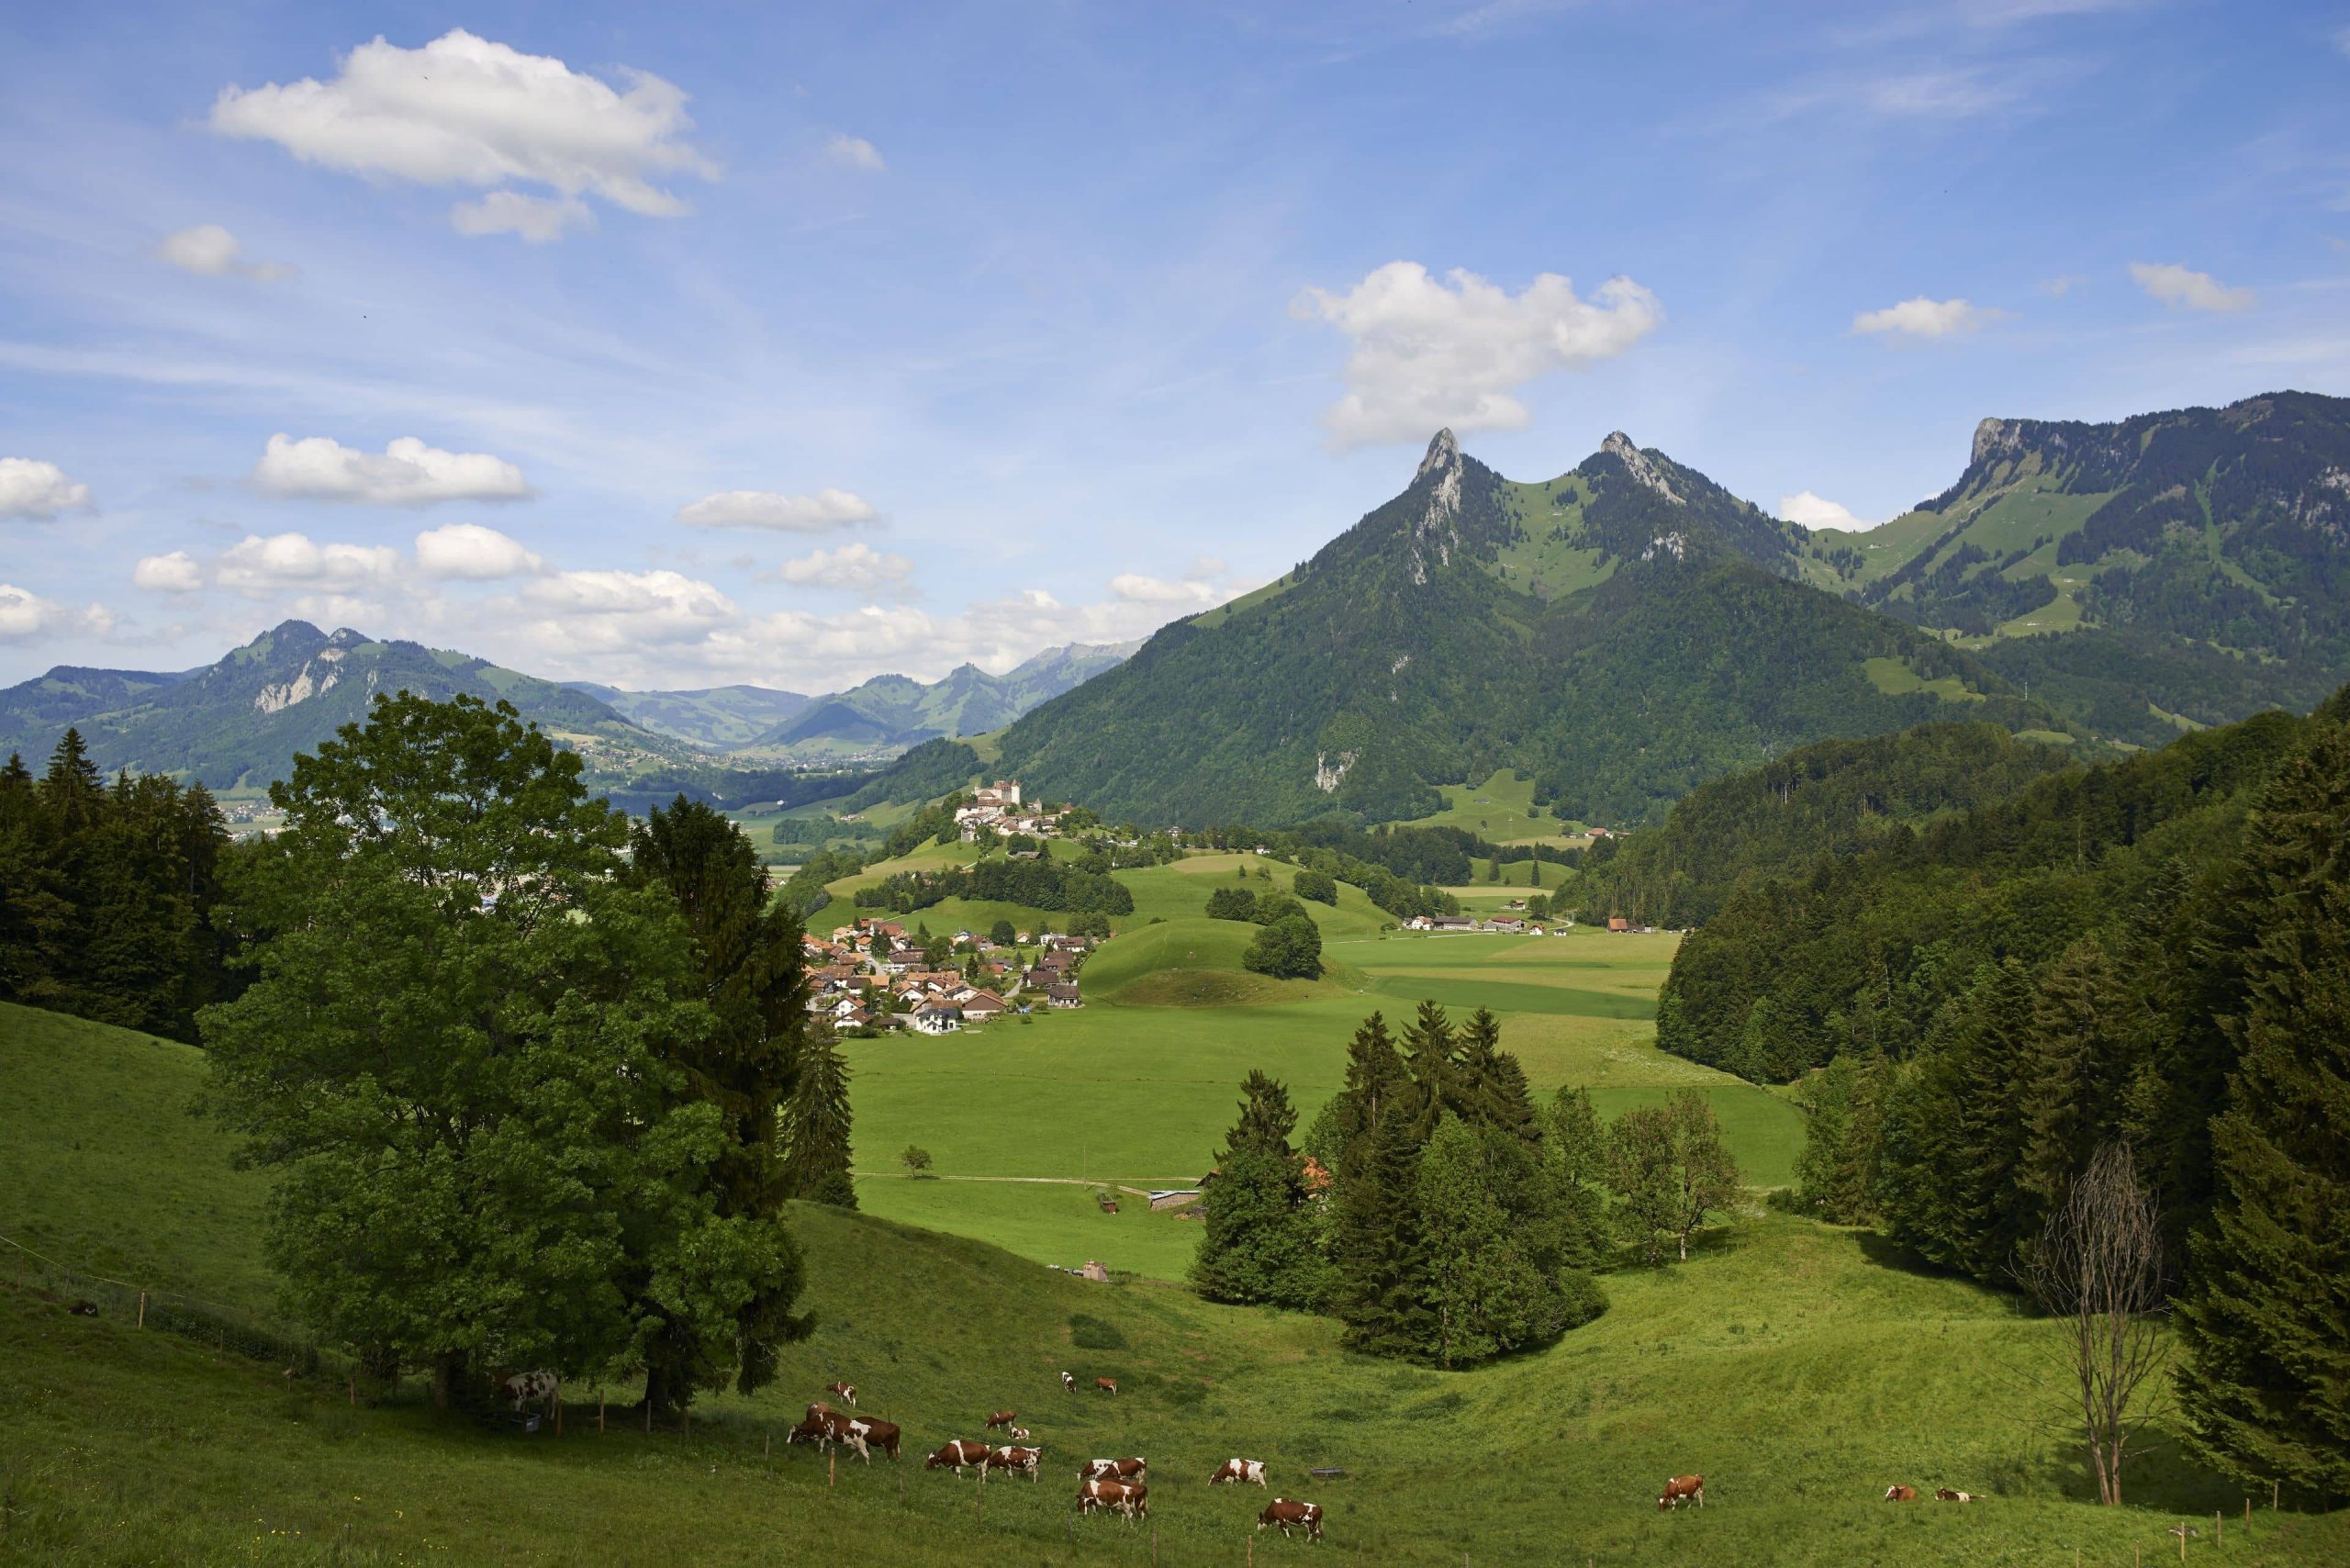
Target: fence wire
[231, 1329]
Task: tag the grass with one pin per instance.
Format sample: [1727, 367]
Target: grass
[1895, 678]
[1499, 810]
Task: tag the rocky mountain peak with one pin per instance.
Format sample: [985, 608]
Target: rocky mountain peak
[1443, 452]
[1635, 463]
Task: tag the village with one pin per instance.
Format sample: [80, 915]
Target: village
[873, 975]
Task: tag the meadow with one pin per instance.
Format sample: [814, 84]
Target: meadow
[1795, 1366]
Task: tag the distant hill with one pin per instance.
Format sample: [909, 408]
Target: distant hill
[1620, 634]
[719, 717]
[2146, 576]
[893, 710]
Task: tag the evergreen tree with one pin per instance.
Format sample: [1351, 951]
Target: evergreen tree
[817, 1124]
[2269, 1387]
[1262, 1241]
[1431, 1058]
[1494, 1091]
[1384, 1284]
[1266, 1117]
[2078, 1054]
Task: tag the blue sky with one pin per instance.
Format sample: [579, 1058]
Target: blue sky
[793, 344]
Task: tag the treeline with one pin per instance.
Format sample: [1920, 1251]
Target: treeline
[2149, 957]
[804, 891]
[107, 893]
[1832, 799]
[533, 1088]
[1435, 1209]
[1040, 883]
[1400, 869]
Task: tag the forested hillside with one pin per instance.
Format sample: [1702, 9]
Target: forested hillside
[1621, 634]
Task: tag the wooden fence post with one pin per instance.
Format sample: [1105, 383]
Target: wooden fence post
[2219, 1531]
[832, 1466]
[143, 1309]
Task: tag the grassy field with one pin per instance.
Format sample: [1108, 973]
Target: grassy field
[1794, 1365]
[1499, 810]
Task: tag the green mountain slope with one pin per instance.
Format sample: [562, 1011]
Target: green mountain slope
[2165, 571]
[718, 717]
[895, 711]
[1619, 635]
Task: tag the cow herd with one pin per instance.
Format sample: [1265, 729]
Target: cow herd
[1120, 1487]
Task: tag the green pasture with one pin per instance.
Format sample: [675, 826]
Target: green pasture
[1499, 810]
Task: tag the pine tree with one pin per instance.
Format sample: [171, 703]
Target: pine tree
[1431, 1058]
[74, 789]
[2078, 1055]
[1262, 1245]
[1494, 1092]
[1384, 1285]
[1992, 1052]
[2267, 1391]
[1374, 1072]
[1266, 1118]
[817, 1124]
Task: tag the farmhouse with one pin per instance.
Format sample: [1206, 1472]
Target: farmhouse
[938, 1018]
[1063, 996]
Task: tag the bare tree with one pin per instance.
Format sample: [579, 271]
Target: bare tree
[2099, 1269]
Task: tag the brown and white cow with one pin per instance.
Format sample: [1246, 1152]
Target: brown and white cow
[847, 1391]
[1002, 1418]
[1105, 1386]
[1280, 1513]
[1019, 1434]
[877, 1433]
[1676, 1487]
[532, 1390]
[1112, 1469]
[1236, 1470]
[1069, 1384]
[829, 1429]
[1128, 1497]
[817, 1410]
[1901, 1493]
[1943, 1493]
[957, 1454]
[1028, 1461]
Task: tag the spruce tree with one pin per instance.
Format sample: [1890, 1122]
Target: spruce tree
[1262, 1245]
[817, 1125]
[2268, 1388]
[1431, 1058]
[1266, 1120]
[2078, 1055]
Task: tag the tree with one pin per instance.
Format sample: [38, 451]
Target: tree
[1231, 903]
[2268, 1385]
[916, 1160]
[459, 1055]
[1287, 949]
[1267, 1117]
[1003, 934]
[817, 1124]
[1319, 886]
[1261, 1244]
[2098, 1270]
[1669, 1167]
[753, 978]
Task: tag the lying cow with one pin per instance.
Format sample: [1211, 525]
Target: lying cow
[847, 1391]
[1105, 1386]
[1944, 1494]
[1128, 1497]
[1018, 1434]
[1901, 1493]
[1112, 1469]
[1069, 1384]
[1679, 1486]
[532, 1390]
[1280, 1513]
[1028, 1461]
[957, 1454]
[1002, 1418]
[1236, 1470]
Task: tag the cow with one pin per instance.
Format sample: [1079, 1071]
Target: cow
[1679, 1486]
[843, 1391]
[1280, 1513]
[955, 1455]
[1002, 1418]
[1027, 1461]
[818, 1410]
[1128, 1497]
[1236, 1470]
[1112, 1469]
[1901, 1493]
[834, 1427]
[1944, 1494]
[532, 1390]
[1105, 1386]
[1069, 1384]
[1018, 1434]
[877, 1433]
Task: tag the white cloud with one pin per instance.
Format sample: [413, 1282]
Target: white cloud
[176, 572]
[258, 567]
[854, 152]
[24, 615]
[464, 111]
[1815, 510]
[1427, 355]
[475, 554]
[1924, 317]
[209, 251]
[819, 513]
[2057, 287]
[1189, 594]
[407, 473]
[2179, 286]
[32, 488]
[855, 565]
[539, 219]
[600, 615]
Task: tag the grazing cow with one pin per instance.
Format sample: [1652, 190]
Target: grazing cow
[1943, 1493]
[818, 1410]
[843, 1391]
[1028, 1460]
[1236, 1470]
[1128, 1497]
[1679, 1486]
[830, 1427]
[1280, 1513]
[957, 1454]
[1069, 1384]
[532, 1390]
[876, 1433]
[1112, 1469]
[1901, 1493]
[1105, 1386]
[1002, 1418]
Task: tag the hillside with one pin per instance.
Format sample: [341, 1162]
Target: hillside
[719, 717]
[892, 711]
[1619, 636]
[2186, 567]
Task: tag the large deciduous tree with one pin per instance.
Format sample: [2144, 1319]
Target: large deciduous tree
[1670, 1169]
